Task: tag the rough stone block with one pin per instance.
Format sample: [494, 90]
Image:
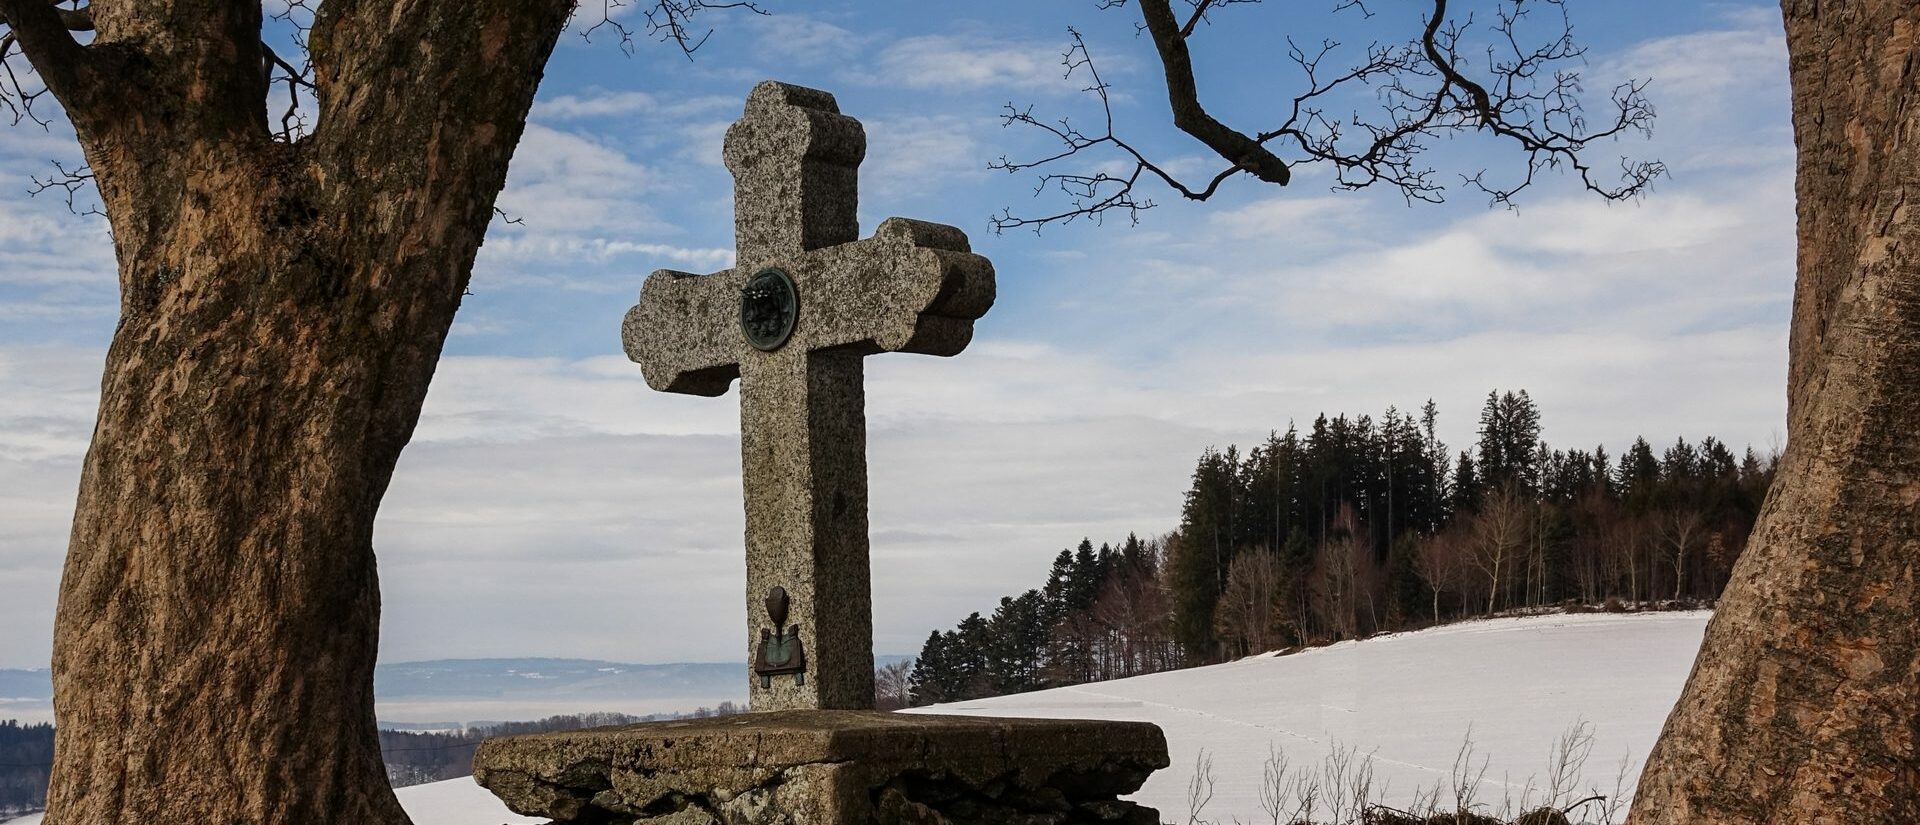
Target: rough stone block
[823, 767]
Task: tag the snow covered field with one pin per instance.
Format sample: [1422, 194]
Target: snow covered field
[1409, 699]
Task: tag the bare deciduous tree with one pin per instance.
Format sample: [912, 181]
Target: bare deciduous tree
[892, 690]
[1437, 561]
[1526, 93]
[1499, 536]
[1681, 529]
[294, 231]
[1802, 704]
[1248, 614]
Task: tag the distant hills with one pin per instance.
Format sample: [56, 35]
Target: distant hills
[490, 689]
[27, 685]
[542, 678]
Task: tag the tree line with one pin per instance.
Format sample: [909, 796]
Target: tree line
[1361, 525]
[26, 761]
[412, 757]
[419, 757]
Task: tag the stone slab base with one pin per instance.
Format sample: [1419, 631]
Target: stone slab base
[815, 767]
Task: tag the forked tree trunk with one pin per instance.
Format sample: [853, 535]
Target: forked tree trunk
[283, 307]
[1804, 706]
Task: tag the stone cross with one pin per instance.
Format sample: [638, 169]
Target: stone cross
[805, 302]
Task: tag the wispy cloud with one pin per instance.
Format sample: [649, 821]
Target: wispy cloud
[805, 40]
[607, 103]
[955, 62]
[560, 249]
[568, 181]
[922, 154]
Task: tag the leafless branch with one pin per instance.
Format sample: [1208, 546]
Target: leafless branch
[43, 28]
[297, 16]
[667, 21]
[1527, 96]
[70, 183]
[1090, 195]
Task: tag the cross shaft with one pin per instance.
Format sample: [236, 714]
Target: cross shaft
[912, 287]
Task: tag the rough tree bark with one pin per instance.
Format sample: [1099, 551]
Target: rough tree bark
[1804, 705]
[283, 307]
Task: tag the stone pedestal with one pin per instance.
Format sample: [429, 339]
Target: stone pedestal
[816, 767]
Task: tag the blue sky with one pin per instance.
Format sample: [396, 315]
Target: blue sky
[552, 505]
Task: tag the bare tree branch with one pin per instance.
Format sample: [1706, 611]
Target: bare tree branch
[38, 37]
[1528, 96]
[71, 183]
[667, 21]
[281, 73]
[1183, 96]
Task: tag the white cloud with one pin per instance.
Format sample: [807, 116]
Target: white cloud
[1304, 221]
[1347, 266]
[566, 107]
[801, 39]
[605, 103]
[1720, 94]
[564, 248]
[959, 61]
[1703, 67]
[923, 154]
[567, 181]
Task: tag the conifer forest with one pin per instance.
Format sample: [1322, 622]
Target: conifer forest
[1364, 525]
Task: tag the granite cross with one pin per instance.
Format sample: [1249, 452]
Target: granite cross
[805, 302]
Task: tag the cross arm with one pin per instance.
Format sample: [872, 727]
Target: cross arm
[685, 332]
[912, 287]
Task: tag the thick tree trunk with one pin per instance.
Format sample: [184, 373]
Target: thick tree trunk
[283, 307]
[1804, 705]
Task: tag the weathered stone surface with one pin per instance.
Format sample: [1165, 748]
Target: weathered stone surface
[912, 287]
[830, 768]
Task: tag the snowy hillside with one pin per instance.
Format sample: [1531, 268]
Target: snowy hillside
[1408, 698]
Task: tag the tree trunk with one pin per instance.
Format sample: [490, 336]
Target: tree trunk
[283, 307]
[1802, 705]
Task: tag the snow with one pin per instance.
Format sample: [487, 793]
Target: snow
[457, 802]
[1410, 699]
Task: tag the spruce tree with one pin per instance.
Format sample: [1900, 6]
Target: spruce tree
[1059, 582]
[1466, 485]
[932, 675]
[1639, 476]
[968, 648]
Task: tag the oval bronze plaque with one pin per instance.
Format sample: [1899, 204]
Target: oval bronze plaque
[769, 306]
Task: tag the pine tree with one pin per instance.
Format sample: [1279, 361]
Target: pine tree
[1466, 485]
[933, 677]
[1134, 557]
[1639, 476]
[1017, 636]
[1059, 582]
[967, 651]
[1407, 594]
[1509, 437]
[1084, 581]
[1203, 552]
